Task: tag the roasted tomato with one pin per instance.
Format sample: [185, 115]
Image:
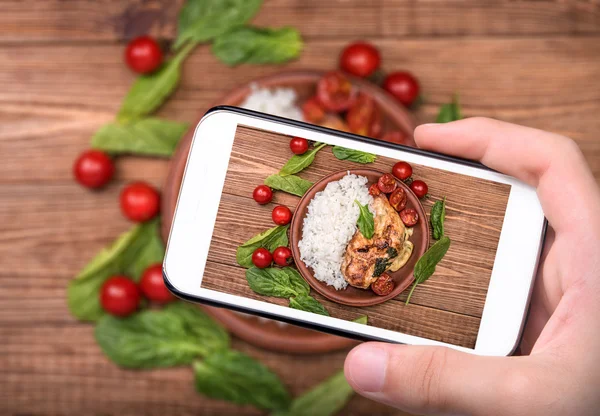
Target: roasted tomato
[383, 286]
[387, 183]
[335, 92]
[398, 199]
[312, 110]
[409, 217]
[364, 117]
[374, 190]
[332, 121]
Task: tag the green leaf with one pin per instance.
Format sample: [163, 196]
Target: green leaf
[148, 92]
[365, 222]
[361, 319]
[325, 399]
[297, 282]
[130, 255]
[438, 215]
[270, 282]
[291, 184]
[425, 266]
[235, 377]
[308, 304]
[343, 153]
[202, 20]
[175, 335]
[147, 136]
[269, 239]
[300, 162]
[449, 112]
[258, 46]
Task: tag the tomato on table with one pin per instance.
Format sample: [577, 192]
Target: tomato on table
[335, 92]
[402, 171]
[312, 110]
[409, 217]
[403, 86]
[364, 117]
[387, 183]
[298, 145]
[152, 285]
[281, 215]
[119, 296]
[420, 188]
[282, 256]
[93, 169]
[262, 194]
[139, 201]
[261, 258]
[398, 199]
[143, 55]
[383, 285]
[360, 59]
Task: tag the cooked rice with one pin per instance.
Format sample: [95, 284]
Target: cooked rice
[277, 101]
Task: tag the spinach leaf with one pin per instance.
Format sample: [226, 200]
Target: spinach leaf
[438, 215]
[300, 162]
[325, 399]
[308, 304]
[270, 282]
[258, 46]
[269, 239]
[425, 266]
[365, 222]
[235, 377]
[361, 319]
[130, 255]
[174, 335]
[343, 153]
[291, 184]
[297, 282]
[449, 112]
[202, 20]
[147, 136]
[148, 92]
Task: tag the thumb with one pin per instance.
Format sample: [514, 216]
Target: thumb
[433, 380]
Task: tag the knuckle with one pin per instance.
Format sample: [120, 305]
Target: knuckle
[428, 382]
[517, 386]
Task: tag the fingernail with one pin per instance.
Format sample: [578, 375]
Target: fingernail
[367, 367]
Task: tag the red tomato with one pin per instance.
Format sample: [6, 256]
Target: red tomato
[364, 117]
[119, 296]
[402, 171]
[281, 215]
[143, 55]
[360, 59]
[153, 285]
[383, 285]
[93, 169]
[387, 183]
[298, 145]
[398, 199]
[374, 190]
[282, 256]
[261, 258]
[262, 194]
[409, 217]
[312, 110]
[402, 85]
[420, 188]
[139, 201]
[333, 121]
[335, 92]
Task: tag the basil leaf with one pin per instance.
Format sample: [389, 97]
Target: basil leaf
[148, 136]
[308, 304]
[449, 112]
[425, 266]
[438, 215]
[365, 222]
[297, 282]
[235, 377]
[361, 319]
[130, 255]
[343, 153]
[148, 92]
[300, 162]
[202, 20]
[270, 282]
[269, 239]
[325, 399]
[258, 46]
[291, 184]
[175, 335]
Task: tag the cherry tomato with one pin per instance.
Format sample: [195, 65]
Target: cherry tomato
[402, 171]
[402, 85]
[374, 190]
[282, 256]
[420, 188]
[360, 59]
[335, 92]
[409, 217]
[298, 145]
[261, 258]
[387, 183]
[143, 55]
[383, 285]
[93, 169]
[364, 117]
[312, 110]
[119, 296]
[139, 201]
[153, 285]
[262, 194]
[398, 199]
[281, 215]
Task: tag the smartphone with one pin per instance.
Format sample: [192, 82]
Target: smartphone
[355, 249]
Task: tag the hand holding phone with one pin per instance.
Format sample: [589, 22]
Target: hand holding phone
[561, 373]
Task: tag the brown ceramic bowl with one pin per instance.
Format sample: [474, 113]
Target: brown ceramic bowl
[353, 296]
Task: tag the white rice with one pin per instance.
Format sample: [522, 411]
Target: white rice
[330, 225]
[277, 101]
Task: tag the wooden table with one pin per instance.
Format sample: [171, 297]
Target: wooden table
[62, 76]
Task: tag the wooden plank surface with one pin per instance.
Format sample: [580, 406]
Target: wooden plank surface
[530, 62]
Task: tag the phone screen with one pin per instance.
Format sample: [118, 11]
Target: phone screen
[356, 250]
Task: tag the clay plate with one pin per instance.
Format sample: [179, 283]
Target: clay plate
[352, 296]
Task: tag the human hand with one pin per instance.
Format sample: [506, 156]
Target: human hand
[561, 373]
